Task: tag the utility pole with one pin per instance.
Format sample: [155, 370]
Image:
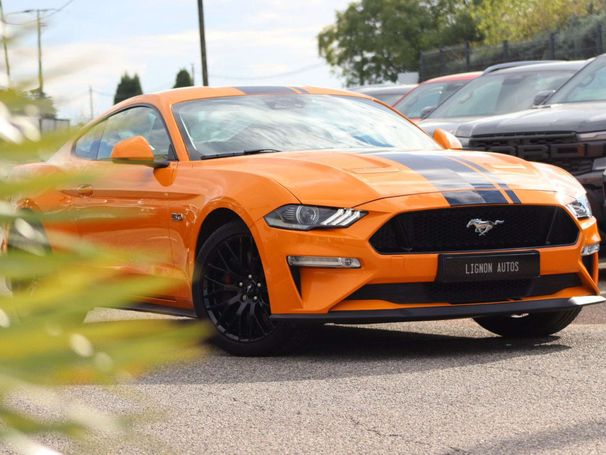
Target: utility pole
[40, 77]
[38, 13]
[193, 74]
[202, 42]
[5, 45]
[90, 99]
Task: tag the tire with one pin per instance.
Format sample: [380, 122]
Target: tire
[230, 291]
[529, 326]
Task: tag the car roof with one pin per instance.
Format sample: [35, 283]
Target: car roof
[454, 77]
[574, 65]
[384, 89]
[180, 95]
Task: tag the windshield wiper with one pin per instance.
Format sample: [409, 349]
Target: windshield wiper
[242, 153]
[255, 151]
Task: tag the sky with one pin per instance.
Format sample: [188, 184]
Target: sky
[91, 43]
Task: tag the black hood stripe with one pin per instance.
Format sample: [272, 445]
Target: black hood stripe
[449, 175]
[510, 193]
[474, 197]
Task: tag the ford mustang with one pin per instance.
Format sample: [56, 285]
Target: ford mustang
[280, 206]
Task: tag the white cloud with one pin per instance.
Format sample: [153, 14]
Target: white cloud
[245, 41]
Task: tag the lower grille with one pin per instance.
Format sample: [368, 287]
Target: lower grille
[471, 292]
[442, 230]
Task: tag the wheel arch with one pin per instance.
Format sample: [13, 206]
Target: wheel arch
[215, 219]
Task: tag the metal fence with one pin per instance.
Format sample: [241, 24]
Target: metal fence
[580, 41]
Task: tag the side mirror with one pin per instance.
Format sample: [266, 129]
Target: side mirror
[136, 150]
[542, 96]
[426, 112]
[447, 140]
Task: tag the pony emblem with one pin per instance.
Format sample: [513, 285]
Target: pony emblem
[481, 226]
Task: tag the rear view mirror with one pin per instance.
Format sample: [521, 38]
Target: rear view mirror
[136, 150]
[447, 140]
[542, 96]
[426, 112]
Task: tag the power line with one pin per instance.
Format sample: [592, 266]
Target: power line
[61, 8]
[51, 12]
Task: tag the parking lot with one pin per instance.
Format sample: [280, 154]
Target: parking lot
[431, 387]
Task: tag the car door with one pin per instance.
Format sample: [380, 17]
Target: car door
[125, 207]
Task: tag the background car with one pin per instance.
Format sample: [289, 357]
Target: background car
[500, 90]
[431, 93]
[389, 94]
[568, 130]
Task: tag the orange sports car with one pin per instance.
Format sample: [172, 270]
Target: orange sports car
[279, 206]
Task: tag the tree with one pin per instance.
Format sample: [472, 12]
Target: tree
[183, 79]
[127, 88]
[517, 20]
[374, 40]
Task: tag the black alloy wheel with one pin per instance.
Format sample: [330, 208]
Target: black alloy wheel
[231, 292]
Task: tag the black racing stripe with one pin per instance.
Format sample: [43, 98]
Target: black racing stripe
[512, 195]
[447, 175]
[266, 90]
[463, 197]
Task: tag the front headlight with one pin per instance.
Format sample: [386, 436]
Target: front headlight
[594, 136]
[580, 207]
[599, 164]
[307, 217]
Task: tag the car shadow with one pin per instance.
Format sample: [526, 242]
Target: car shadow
[562, 438]
[354, 351]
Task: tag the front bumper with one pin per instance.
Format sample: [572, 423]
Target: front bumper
[321, 293]
[443, 312]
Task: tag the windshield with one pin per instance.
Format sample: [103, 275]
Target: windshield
[588, 85]
[426, 96]
[387, 98]
[503, 93]
[232, 125]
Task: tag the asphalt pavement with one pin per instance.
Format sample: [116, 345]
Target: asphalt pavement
[427, 388]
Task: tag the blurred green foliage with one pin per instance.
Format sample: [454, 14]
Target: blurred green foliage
[43, 340]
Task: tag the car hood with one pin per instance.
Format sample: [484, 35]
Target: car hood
[346, 179]
[577, 117]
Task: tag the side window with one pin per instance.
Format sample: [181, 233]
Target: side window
[87, 146]
[137, 121]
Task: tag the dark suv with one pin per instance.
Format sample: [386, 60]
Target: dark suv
[567, 130]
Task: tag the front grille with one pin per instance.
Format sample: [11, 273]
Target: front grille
[469, 292]
[444, 230]
[575, 166]
[559, 148]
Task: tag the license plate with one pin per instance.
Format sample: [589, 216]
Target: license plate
[488, 267]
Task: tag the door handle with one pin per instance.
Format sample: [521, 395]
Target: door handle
[85, 190]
